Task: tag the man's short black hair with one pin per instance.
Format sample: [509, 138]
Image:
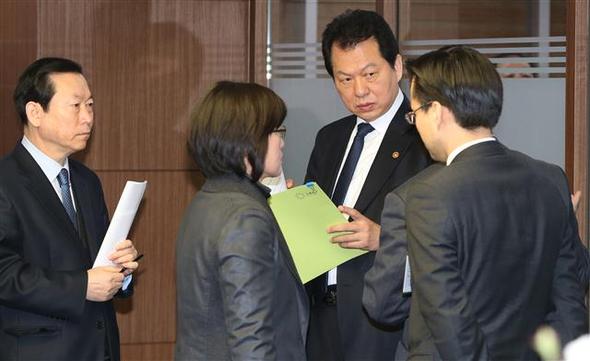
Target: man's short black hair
[461, 79]
[354, 26]
[35, 85]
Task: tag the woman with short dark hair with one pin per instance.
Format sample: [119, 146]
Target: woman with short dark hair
[239, 296]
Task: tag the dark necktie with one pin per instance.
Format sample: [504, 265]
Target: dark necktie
[350, 163]
[66, 198]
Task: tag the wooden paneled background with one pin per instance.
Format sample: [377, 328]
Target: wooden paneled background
[147, 63]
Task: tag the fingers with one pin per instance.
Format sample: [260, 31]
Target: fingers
[360, 224]
[110, 269]
[343, 227]
[124, 244]
[103, 283]
[125, 258]
[576, 199]
[363, 234]
[353, 213]
[290, 183]
[354, 245]
[130, 267]
[125, 252]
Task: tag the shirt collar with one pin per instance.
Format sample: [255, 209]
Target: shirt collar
[49, 166]
[464, 146]
[382, 123]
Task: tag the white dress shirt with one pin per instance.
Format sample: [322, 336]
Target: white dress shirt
[50, 167]
[371, 146]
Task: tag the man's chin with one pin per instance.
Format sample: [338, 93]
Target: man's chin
[367, 116]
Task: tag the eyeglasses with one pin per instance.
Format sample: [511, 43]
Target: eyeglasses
[411, 116]
[281, 131]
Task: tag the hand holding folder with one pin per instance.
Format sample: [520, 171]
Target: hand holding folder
[304, 213]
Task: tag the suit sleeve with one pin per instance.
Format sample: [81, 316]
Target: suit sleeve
[583, 261]
[436, 282]
[382, 295]
[247, 269]
[31, 288]
[569, 315]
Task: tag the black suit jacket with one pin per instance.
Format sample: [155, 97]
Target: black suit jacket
[44, 314]
[383, 296]
[401, 155]
[492, 246]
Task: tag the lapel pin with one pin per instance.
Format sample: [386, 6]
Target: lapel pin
[395, 155]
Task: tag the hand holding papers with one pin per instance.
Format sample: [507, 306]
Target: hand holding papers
[304, 213]
[121, 221]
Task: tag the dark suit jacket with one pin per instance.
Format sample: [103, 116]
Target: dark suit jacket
[383, 296]
[362, 339]
[44, 314]
[492, 246]
[239, 295]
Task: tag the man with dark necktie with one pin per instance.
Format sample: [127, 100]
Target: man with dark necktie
[53, 304]
[358, 160]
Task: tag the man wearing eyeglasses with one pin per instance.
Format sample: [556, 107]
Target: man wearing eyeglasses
[493, 240]
[358, 160]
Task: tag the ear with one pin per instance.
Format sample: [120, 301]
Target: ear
[438, 114]
[399, 67]
[447, 117]
[35, 113]
[248, 166]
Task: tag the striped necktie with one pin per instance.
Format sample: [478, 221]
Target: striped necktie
[66, 198]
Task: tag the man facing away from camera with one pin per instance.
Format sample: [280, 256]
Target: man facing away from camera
[492, 236]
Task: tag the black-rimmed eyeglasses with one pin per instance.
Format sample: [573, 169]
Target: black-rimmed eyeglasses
[281, 131]
[411, 116]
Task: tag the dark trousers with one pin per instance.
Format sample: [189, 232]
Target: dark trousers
[323, 340]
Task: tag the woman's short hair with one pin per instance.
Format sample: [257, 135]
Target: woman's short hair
[234, 121]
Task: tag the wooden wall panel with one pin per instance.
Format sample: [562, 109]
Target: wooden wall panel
[147, 352]
[147, 62]
[456, 19]
[18, 48]
[576, 159]
[258, 37]
[149, 316]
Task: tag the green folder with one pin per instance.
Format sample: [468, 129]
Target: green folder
[304, 213]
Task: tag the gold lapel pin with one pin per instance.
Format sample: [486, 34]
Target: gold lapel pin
[395, 155]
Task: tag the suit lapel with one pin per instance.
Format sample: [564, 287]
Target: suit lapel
[336, 153]
[390, 154]
[36, 181]
[85, 209]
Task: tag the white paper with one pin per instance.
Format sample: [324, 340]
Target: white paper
[276, 184]
[407, 287]
[121, 221]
